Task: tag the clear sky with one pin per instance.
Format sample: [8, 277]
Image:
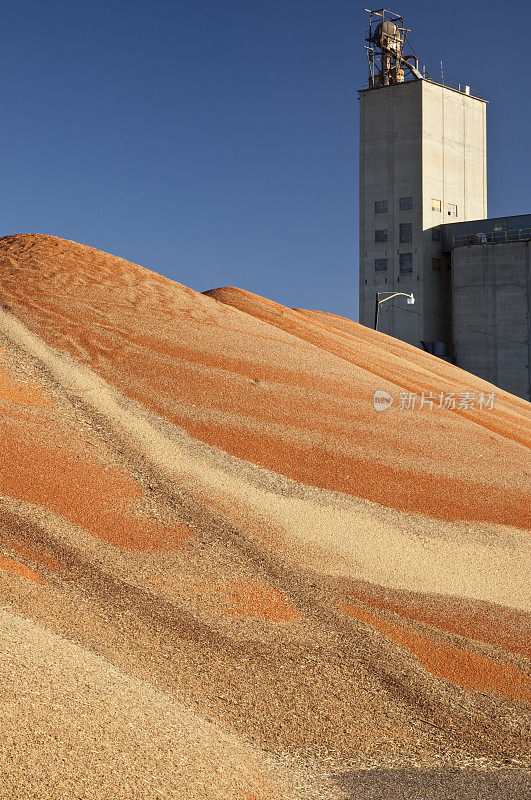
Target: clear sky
[215, 141]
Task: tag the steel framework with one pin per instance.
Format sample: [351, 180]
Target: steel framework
[386, 44]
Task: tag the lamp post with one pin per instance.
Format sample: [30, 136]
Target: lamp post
[410, 302]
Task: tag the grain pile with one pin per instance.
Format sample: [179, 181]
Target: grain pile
[223, 574]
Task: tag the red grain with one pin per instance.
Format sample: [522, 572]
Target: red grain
[462, 667]
[17, 568]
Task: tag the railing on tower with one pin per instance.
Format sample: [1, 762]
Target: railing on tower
[492, 237]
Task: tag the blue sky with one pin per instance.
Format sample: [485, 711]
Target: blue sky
[216, 141]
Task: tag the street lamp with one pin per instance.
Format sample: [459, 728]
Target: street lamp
[410, 301]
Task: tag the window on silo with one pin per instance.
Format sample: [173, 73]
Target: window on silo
[406, 232]
[381, 235]
[380, 207]
[380, 264]
[406, 262]
[436, 263]
[405, 203]
[435, 205]
[452, 210]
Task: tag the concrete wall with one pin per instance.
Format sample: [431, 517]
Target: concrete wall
[424, 141]
[454, 171]
[390, 158]
[491, 297]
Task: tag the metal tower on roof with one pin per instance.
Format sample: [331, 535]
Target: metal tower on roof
[388, 63]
